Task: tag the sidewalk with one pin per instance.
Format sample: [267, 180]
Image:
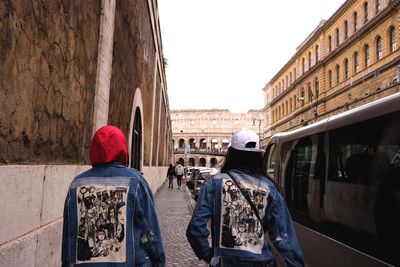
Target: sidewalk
[174, 210]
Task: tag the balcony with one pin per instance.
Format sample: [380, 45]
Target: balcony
[203, 151]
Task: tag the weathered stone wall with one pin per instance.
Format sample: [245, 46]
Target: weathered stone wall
[47, 78]
[133, 65]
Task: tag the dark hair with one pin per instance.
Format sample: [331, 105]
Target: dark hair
[238, 159]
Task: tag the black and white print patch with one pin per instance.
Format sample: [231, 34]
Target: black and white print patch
[101, 213]
[240, 227]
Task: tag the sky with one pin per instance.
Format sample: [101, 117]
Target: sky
[221, 53]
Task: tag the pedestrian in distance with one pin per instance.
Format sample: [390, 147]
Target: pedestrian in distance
[244, 206]
[179, 170]
[109, 213]
[170, 176]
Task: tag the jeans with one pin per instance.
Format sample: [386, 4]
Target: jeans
[179, 180]
[171, 181]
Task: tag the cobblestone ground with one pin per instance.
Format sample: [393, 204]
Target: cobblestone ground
[174, 210]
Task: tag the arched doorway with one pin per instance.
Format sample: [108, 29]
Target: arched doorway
[202, 162]
[181, 143]
[203, 143]
[213, 162]
[136, 140]
[191, 162]
[181, 161]
[192, 143]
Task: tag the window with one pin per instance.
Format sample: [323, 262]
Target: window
[330, 79]
[337, 37]
[303, 65]
[378, 6]
[346, 69]
[316, 54]
[356, 63]
[309, 60]
[355, 21]
[299, 171]
[316, 85]
[271, 160]
[366, 56]
[378, 48]
[337, 73]
[392, 40]
[346, 29]
[330, 43]
[365, 12]
[302, 97]
[310, 92]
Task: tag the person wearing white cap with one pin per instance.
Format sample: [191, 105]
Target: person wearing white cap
[243, 205]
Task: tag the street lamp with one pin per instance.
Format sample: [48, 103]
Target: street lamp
[257, 119]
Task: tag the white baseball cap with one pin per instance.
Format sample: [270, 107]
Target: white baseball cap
[246, 140]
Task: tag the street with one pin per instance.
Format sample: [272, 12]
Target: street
[174, 210]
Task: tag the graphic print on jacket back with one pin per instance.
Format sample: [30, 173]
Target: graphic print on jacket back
[101, 213]
[240, 227]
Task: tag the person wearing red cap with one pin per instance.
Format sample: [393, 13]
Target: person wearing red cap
[109, 213]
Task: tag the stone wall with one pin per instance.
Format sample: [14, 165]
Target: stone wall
[48, 68]
[68, 68]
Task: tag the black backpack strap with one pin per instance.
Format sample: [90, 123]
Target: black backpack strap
[253, 207]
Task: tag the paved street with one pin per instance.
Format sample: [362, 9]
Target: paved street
[174, 211]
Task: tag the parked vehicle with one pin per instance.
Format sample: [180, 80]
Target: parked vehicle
[340, 180]
[200, 176]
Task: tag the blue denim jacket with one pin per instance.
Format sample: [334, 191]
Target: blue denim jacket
[110, 220]
[238, 227]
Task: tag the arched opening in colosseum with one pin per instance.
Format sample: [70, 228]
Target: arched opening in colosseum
[213, 162]
[181, 143]
[191, 162]
[202, 162]
[214, 145]
[136, 148]
[224, 143]
[181, 161]
[203, 143]
[192, 143]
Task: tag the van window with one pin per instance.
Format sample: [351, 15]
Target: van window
[271, 160]
[298, 167]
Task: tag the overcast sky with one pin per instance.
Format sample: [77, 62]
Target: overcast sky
[221, 53]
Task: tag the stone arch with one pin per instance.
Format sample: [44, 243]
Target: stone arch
[192, 162]
[213, 162]
[181, 144]
[202, 162]
[136, 117]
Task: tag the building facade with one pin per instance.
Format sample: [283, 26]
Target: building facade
[351, 59]
[68, 68]
[207, 133]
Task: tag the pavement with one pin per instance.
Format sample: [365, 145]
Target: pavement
[174, 209]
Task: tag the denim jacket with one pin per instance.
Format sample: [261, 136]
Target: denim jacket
[238, 226]
[110, 220]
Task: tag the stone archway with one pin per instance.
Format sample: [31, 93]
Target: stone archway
[136, 149]
[135, 137]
